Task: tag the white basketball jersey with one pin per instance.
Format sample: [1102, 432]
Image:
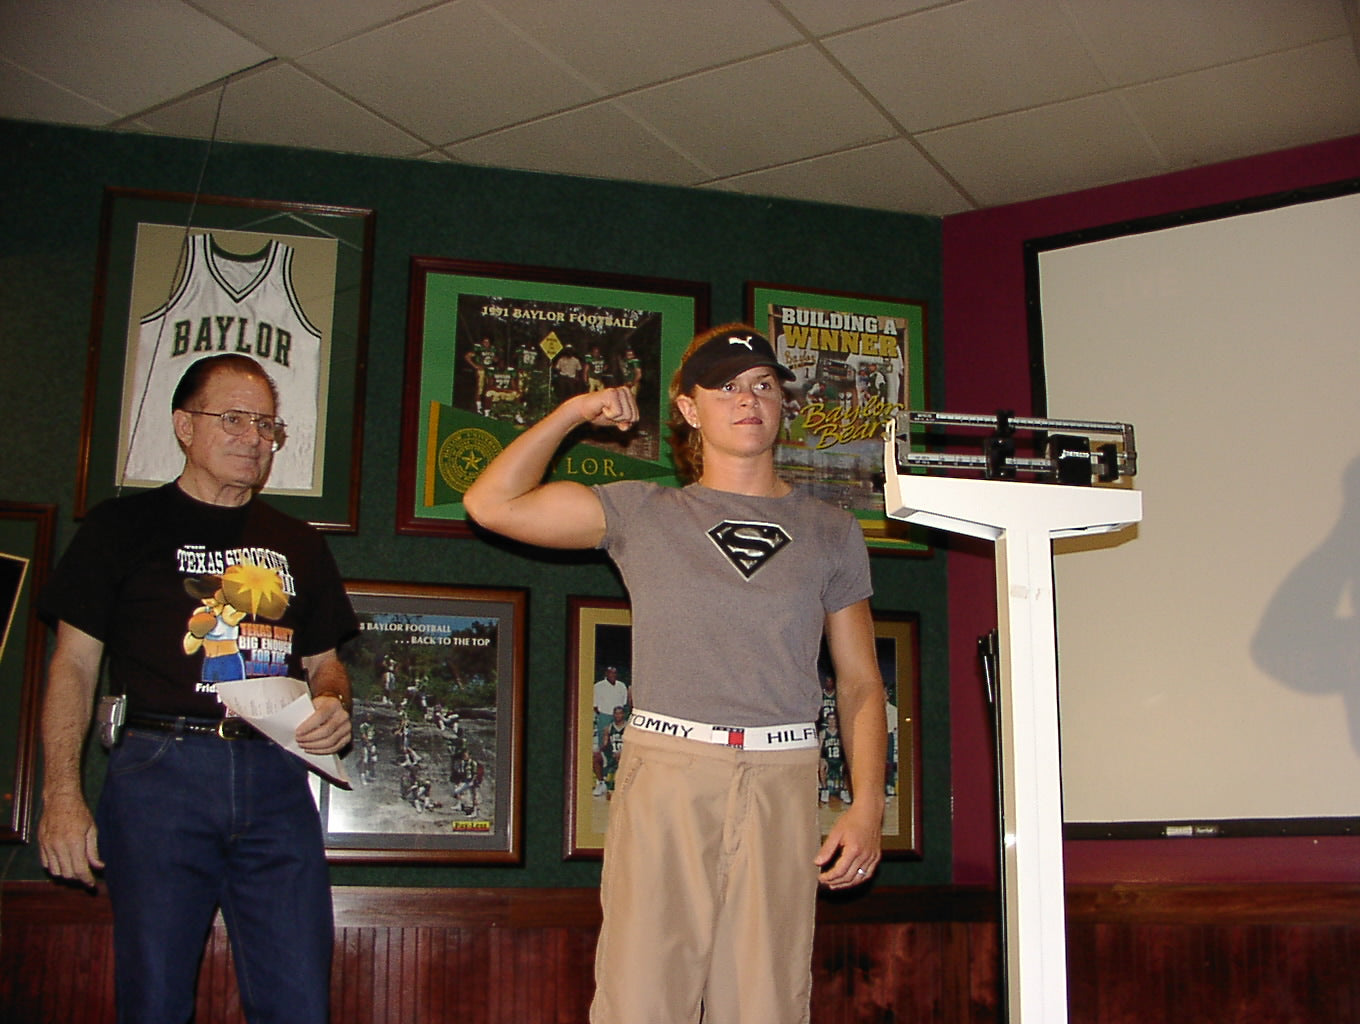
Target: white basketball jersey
[227, 303]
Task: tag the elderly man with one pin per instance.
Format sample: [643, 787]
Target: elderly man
[180, 588]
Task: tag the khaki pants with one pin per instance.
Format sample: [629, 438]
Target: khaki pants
[709, 888]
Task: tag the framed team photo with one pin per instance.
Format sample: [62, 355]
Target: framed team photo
[436, 764]
[897, 641]
[183, 277]
[492, 348]
[598, 701]
[859, 360]
[25, 555]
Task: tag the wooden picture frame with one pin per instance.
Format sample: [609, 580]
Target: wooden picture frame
[492, 347]
[859, 360]
[26, 532]
[438, 675]
[181, 277]
[897, 639]
[600, 631]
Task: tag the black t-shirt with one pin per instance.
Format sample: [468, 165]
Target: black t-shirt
[184, 594]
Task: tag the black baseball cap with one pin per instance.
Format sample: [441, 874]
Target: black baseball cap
[727, 354]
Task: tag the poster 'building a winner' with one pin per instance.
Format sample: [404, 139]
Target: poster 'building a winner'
[857, 363]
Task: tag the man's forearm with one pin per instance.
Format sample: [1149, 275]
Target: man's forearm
[63, 735]
[71, 685]
[327, 675]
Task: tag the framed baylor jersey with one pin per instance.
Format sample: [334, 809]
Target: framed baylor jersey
[183, 277]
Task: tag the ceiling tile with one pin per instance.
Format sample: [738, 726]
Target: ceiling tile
[313, 118]
[769, 110]
[889, 175]
[1137, 42]
[624, 44]
[127, 56]
[295, 27]
[27, 97]
[821, 17]
[727, 93]
[599, 141]
[1288, 99]
[450, 73]
[1059, 148]
[969, 60]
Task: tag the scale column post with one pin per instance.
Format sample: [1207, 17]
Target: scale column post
[1032, 851]
[1022, 520]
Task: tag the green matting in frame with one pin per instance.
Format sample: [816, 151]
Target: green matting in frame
[492, 348]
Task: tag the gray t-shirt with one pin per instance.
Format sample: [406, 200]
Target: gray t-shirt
[729, 597]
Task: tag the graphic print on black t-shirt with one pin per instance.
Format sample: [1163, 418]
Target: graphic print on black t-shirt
[748, 546]
[239, 591]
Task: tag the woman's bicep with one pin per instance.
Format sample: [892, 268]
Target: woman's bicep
[558, 514]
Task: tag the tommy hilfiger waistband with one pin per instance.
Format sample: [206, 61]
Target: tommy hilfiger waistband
[798, 735]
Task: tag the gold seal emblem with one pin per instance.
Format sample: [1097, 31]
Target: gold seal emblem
[464, 454]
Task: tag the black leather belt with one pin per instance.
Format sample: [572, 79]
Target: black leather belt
[226, 728]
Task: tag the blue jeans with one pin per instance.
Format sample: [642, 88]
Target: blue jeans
[188, 823]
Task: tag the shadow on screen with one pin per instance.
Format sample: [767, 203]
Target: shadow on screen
[1309, 636]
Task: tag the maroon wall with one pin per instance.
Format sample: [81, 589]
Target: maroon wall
[986, 368]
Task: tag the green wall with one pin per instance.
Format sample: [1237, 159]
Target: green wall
[52, 181]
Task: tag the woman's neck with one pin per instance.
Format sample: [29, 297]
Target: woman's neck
[758, 480]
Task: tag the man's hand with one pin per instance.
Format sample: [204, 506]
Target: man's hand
[68, 840]
[327, 729]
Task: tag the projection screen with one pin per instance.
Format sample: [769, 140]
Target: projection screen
[1209, 659]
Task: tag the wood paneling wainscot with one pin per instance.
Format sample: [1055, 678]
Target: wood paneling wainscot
[1244, 954]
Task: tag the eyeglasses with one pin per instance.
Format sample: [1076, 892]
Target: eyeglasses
[236, 421]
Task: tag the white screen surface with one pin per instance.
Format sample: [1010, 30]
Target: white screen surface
[1209, 659]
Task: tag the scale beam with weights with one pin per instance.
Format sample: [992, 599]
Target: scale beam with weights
[1078, 487]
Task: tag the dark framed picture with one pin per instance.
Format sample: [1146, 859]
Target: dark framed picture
[492, 348]
[598, 701]
[25, 555]
[859, 360]
[897, 640]
[183, 277]
[437, 760]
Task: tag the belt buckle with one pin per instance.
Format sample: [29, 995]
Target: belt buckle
[231, 728]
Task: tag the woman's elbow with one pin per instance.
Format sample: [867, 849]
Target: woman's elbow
[481, 506]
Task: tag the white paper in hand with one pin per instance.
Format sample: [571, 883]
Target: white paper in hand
[277, 705]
